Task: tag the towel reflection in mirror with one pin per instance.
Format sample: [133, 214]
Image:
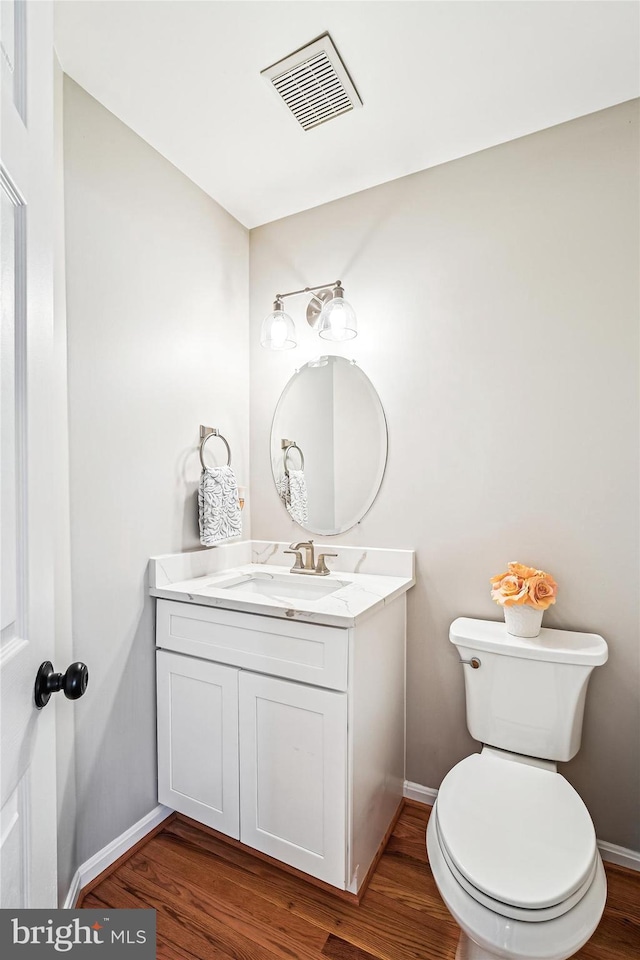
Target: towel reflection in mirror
[292, 485]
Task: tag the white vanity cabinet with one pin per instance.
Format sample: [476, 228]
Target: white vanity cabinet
[284, 734]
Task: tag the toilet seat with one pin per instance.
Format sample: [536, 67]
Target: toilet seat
[505, 937]
[506, 909]
[517, 838]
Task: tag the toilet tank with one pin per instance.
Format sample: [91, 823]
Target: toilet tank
[527, 696]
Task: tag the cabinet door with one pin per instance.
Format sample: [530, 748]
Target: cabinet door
[198, 740]
[293, 759]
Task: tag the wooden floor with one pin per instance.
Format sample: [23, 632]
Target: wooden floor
[215, 900]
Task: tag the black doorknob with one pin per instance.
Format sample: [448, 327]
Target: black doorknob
[73, 682]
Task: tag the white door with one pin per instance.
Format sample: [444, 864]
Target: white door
[293, 774]
[198, 740]
[27, 736]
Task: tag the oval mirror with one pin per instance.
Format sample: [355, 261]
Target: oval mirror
[328, 445]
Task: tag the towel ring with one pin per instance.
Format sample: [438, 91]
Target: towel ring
[288, 446]
[205, 434]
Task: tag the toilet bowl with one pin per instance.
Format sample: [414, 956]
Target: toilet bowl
[511, 845]
[512, 850]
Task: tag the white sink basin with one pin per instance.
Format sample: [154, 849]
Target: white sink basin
[282, 587]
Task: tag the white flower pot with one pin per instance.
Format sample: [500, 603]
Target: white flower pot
[523, 620]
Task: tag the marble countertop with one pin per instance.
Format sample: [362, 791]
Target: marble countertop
[362, 595]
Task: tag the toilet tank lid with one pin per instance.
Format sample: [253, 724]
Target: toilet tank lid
[554, 646]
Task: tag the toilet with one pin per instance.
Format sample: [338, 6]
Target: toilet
[511, 845]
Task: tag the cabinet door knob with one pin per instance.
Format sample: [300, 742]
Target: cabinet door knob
[73, 682]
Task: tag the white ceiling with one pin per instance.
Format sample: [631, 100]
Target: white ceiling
[439, 80]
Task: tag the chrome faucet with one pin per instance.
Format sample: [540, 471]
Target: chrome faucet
[309, 565]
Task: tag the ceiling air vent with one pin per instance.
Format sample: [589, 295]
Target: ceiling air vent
[314, 83]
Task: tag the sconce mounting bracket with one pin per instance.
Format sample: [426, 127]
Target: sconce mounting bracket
[316, 304]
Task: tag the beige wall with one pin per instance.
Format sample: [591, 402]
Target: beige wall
[157, 285]
[497, 297]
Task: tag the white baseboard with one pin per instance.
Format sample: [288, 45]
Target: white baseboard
[415, 791]
[620, 855]
[611, 852]
[72, 895]
[93, 867]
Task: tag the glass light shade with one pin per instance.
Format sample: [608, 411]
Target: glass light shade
[278, 331]
[337, 320]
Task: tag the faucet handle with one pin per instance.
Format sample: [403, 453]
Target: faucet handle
[321, 568]
[298, 563]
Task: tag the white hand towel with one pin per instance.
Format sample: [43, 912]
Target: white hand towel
[218, 508]
[282, 486]
[297, 504]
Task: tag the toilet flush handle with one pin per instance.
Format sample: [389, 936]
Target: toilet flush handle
[475, 662]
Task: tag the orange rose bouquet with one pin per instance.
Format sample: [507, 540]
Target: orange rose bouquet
[520, 585]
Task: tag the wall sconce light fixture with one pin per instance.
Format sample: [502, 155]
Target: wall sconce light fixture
[328, 313]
